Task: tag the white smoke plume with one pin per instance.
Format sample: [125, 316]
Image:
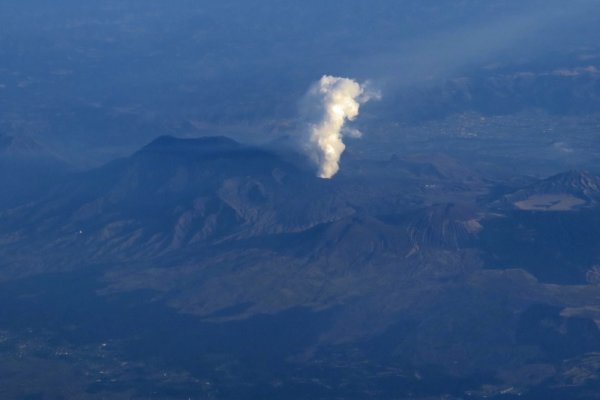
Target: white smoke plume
[328, 105]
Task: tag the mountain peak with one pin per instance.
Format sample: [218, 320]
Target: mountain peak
[203, 145]
[574, 180]
[562, 192]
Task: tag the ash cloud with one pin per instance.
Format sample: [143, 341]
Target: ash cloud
[329, 104]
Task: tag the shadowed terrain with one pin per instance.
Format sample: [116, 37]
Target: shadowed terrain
[221, 269]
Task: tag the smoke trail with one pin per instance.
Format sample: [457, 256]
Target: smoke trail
[327, 106]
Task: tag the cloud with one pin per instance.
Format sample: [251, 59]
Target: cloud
[328, 105]
[530, 32]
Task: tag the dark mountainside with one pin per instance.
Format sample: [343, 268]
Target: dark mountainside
[205, 268]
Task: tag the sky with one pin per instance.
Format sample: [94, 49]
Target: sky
[110, 75]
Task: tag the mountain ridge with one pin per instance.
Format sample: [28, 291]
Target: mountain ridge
[561, 192]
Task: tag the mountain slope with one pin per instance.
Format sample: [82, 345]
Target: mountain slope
[212, 255]
[174, 193]
[562, 192]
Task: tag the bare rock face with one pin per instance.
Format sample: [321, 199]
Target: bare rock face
[451, 226]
